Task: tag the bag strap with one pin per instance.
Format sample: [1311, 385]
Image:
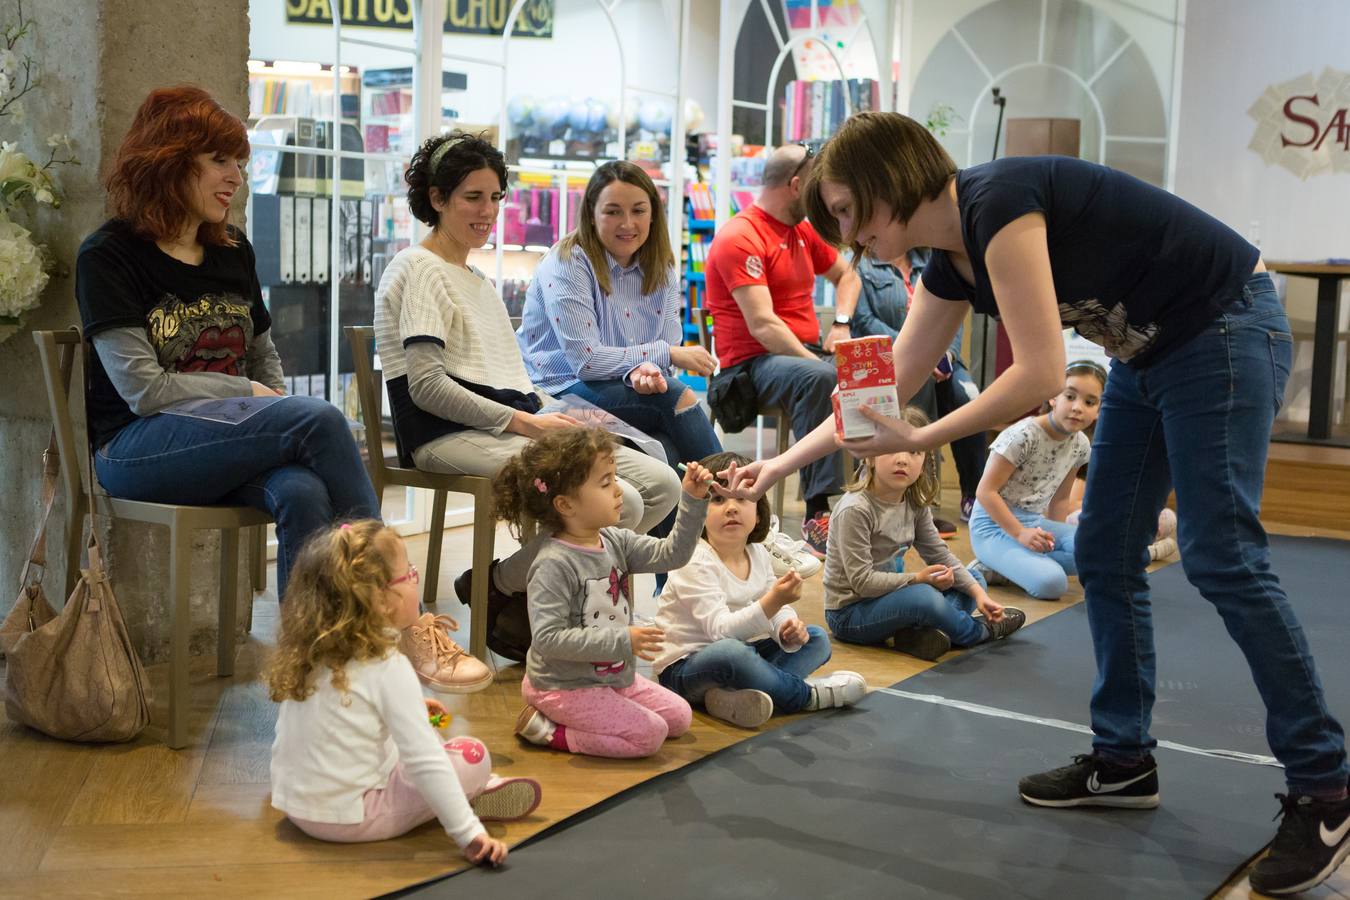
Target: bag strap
[89, 460]
[51, 471]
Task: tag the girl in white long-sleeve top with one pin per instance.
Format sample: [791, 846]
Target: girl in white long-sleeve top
[355, 758]
[733, 643]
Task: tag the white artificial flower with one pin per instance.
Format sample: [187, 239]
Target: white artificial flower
[23, 274]
[9, 62]
[4, 84]
[44, 196]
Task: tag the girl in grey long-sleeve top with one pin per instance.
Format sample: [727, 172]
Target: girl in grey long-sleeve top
[869, 599]
[582, 692]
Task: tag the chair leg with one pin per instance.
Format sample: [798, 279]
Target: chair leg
[432, 576]
[229, 593]
[484, 536]
[258, 559]
[180, 625]
[784, 436]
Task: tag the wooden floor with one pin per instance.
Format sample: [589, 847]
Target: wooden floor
[141, 820]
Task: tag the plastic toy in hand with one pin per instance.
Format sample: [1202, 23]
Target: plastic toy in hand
[440, 720]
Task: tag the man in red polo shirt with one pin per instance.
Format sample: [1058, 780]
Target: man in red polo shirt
[761, 276]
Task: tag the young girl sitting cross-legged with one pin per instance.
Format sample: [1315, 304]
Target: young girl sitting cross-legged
[870, 599]
[733, 643]
[580, 684]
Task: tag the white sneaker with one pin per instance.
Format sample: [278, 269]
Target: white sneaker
[746, 708]
[786, 553]
[535, 727]
[842, 688]
[991, 578]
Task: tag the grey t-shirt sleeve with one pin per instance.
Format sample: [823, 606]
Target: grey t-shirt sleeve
[134, 369]
[433, 390]
[262, 363]
[642, 553]
[554, 585]
[934, 551]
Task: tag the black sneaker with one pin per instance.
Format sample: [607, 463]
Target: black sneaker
[508, 624]
[945, 529]
[925, 643]
[1091, 781]
[1013, 619]
[1313, 841]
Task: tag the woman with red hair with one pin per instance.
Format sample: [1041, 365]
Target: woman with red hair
[171, 302]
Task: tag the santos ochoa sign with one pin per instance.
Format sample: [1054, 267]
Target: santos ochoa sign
[1304, 124]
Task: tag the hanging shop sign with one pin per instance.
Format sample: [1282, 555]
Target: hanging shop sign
[1303, 124]
[486, 17]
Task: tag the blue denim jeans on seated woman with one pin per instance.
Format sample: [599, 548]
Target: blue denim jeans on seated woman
[1199, 420]
[295, 460]
[1044, 576]
[912, 606]
[754, 665]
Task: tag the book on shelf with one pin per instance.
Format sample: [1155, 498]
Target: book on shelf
[815, 109]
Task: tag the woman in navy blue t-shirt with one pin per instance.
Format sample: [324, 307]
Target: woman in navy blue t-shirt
[1202, 353]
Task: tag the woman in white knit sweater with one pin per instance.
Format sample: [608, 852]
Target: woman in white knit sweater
[459, 395]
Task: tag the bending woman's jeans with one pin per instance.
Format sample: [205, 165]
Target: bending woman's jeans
[1199, 420]
[1044, 576]
[295, 460]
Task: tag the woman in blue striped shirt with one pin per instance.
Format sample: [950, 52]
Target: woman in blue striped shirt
[603, 324]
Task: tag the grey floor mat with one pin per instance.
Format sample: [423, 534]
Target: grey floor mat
[906, 798]
[897, 798]
[1206, 697]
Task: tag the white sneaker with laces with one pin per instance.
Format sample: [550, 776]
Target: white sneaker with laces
[786, 553]
[842, 688]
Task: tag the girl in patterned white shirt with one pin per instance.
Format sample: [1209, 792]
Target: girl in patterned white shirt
[1016, 528]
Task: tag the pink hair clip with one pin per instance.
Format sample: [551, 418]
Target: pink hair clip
[346, 526]
[539, 484]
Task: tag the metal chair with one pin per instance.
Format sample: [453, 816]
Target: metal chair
[56, 349]
[387, 470]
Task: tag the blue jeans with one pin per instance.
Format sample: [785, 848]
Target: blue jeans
[295, 460]
[1199, 420]
[913, 606]
[1044, 576]
[803, 387]
[756, 665]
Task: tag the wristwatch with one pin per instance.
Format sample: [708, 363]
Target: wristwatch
[842, 320]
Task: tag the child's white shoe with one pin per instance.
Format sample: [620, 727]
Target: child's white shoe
[991, 578]
[535, 727]
[746, 708]
[504, 799]
[842, 688]
[786, 553]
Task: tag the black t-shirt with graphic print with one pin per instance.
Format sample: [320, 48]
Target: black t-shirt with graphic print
[198, 318]
[1136, 269]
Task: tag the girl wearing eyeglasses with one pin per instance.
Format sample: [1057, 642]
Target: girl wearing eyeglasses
[355, 758]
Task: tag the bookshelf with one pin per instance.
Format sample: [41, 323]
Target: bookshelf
[814, 110]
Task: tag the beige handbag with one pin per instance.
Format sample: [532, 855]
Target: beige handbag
[73, 675]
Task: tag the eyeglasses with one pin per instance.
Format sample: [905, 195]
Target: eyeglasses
[413, 577]
[810, 152]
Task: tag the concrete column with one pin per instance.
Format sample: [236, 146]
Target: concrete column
[98, 60]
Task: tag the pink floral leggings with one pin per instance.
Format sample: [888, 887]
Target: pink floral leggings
[614, 722]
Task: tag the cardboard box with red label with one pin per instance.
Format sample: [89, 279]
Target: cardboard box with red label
[865, 369]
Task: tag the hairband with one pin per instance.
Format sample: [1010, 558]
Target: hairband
[1089, 363]
[439, 154]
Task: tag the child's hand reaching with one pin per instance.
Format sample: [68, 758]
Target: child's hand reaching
[787, 589]
[485, 851]
[697, 480]
[793, 633]
[992, 610]
[939, 577]
[646, 641]
[437, 714]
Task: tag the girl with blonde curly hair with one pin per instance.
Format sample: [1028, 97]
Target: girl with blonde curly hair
[355, 758]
